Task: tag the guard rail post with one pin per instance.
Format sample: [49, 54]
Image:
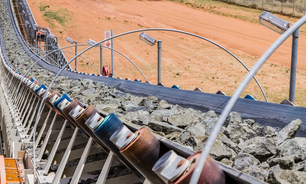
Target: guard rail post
[295, 41]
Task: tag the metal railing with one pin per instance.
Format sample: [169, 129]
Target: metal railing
[34, 35]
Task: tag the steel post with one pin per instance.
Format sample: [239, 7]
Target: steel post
[112, 45]
[295, 41]
[76, 53]
[101, 59]
[159, 45]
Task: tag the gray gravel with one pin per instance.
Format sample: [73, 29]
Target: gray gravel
[263, 152]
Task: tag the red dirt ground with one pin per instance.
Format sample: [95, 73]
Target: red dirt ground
[186, 61]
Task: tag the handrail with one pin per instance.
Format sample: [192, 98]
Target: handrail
[239, 90]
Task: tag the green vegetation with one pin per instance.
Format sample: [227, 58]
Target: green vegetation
[219, 8]
[60, 16]
[42, 7]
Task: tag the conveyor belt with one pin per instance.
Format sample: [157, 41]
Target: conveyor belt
[65, 148]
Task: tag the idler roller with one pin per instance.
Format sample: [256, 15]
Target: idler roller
[34, 85]
[142, 149]
[211, 173]
[62, 102]
[30, 81]
[49, 93]
[27, 80]
[122, 137]
[104, 130]
[76, 112]
[86, 114]
[41, 90]
[171, 166]
[90, 114]
[52, 99]
[70, 107]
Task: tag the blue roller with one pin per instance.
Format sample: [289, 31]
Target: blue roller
[64, 96]
[110, 125]
[137, 80]
[175, 87]
[40, 87]
[32, 80]
[250, 97]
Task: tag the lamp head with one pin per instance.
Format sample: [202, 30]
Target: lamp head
[147, 39]
[69, 40]
[91, 42]
[273, 22]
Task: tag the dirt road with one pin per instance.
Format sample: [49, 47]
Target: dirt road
[186, 61]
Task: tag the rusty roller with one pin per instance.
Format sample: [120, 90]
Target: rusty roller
[142, 149]
[81, 120]
[104, 128]
[51, 99]
[89, 111]
[67, 109]
[175, 169]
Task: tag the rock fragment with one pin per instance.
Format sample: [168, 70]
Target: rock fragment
[244, 161]
[289, 131]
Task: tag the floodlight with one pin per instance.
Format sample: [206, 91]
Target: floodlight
[91, 42]
[147, 39]
[70, 40]
[273, 22]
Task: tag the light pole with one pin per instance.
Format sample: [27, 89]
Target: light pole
[69, 40]
[112, 53]
[91, 42]
[151, 41]
[280, 26]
